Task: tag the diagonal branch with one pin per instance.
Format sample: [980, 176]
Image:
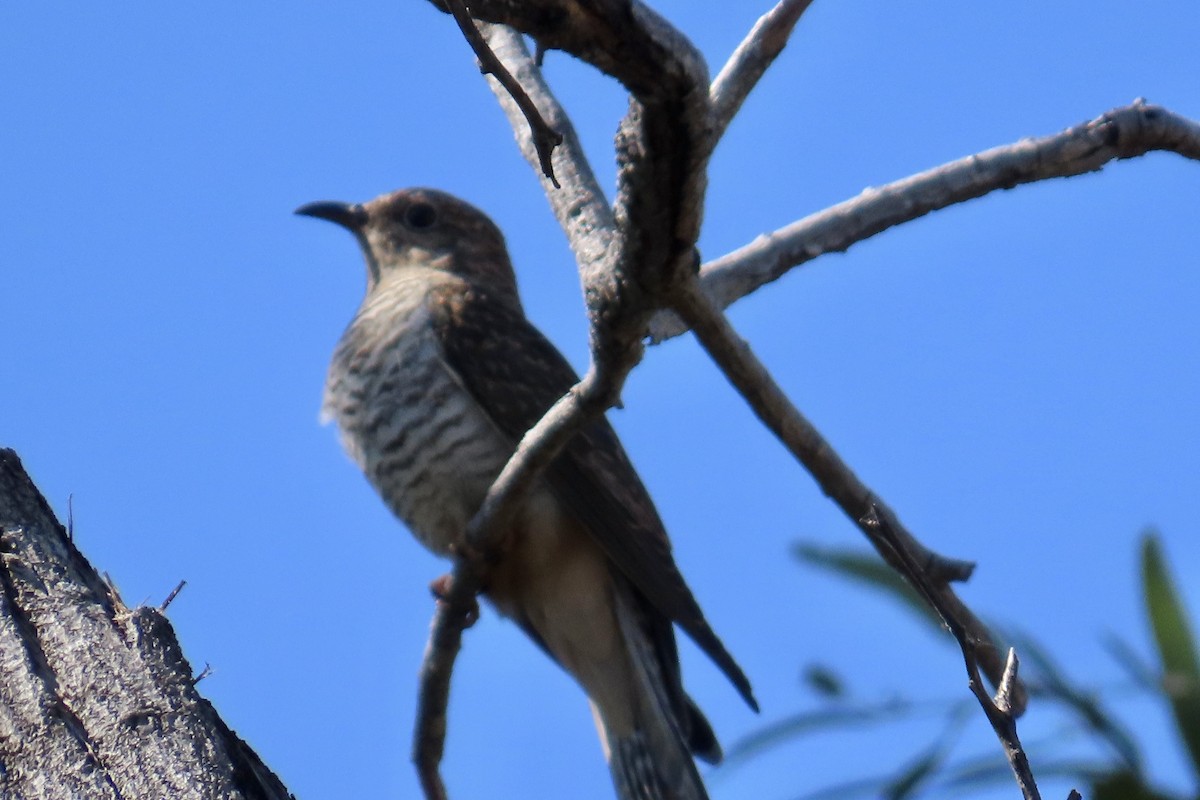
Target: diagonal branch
[750, 61]
[455, 610]
[1126, 132]
[929, 573]
[1001, 710]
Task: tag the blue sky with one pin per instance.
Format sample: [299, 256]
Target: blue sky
[1016, 376]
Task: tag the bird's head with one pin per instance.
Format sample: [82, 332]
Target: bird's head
[424, 228]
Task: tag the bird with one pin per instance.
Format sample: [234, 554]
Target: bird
[431, 386]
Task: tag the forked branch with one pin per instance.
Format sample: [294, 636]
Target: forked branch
[637, 257]
[650, 232]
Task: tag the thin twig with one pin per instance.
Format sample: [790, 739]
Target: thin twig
[204, 673]
[545, 138]
[1122, 133]
[174, 593]
[579, 206]
[750, 61]
[919, 565]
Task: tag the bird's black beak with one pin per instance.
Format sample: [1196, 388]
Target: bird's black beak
[349, 216]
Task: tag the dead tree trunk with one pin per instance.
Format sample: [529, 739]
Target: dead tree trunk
[96, 699]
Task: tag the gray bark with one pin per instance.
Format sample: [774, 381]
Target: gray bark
[96, 699]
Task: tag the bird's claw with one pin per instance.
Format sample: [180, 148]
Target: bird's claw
[440, 588]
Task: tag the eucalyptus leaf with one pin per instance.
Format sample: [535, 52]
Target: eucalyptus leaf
[1176, 644]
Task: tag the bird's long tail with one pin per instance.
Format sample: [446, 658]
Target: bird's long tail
[655, 761]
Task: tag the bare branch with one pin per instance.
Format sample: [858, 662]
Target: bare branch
[661, 155]
[544, 138]
[750, 61]
[638, 257]
[662, 149]
[1123, 133]
[536, 450]
[928, 572]
[1001, 711]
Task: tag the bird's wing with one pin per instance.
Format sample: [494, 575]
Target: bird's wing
[515, 377]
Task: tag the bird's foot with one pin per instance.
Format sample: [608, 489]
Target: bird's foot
[440, 588]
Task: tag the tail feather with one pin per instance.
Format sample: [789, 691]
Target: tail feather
[638, 773]
[655, 761]
[701, 739]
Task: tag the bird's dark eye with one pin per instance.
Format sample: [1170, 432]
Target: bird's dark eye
[420, 215]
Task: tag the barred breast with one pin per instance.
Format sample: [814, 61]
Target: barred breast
[404, 417]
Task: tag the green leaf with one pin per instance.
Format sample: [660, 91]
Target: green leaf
[869, 569]
[796, 725]
[981, 772]
[915, 776]
[924, 769]
[1141, 672]
[1176, 645]
[824, 681]
[1124, 786]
